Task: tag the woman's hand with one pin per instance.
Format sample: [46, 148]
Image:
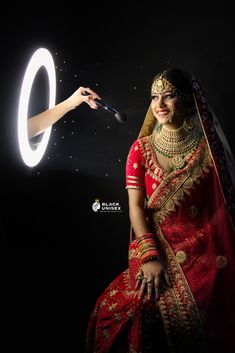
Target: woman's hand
[79, 97]
[151, 278]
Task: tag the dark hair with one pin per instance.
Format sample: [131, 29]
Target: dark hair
[180, 79]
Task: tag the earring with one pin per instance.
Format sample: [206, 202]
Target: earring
[189, 124]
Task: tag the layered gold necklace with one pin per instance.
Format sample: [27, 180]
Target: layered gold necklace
[176, 144]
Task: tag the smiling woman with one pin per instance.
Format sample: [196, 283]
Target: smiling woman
[178, 293]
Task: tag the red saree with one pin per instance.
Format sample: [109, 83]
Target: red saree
[190, 211]
[194, 232]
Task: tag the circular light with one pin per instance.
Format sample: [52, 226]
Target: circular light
[41, 57]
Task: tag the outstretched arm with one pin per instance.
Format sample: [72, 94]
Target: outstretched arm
[40, 122]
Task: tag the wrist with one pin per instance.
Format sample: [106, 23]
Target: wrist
[71, 103]
[147, 246]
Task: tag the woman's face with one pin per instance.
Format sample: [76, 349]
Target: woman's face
[167, 107]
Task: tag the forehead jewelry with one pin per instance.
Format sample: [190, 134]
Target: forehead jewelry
[161, 84]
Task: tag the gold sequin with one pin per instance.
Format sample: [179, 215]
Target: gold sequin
[181, 256]
[135, 165]
[131, 315]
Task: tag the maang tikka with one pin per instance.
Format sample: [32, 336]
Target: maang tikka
[160, 84]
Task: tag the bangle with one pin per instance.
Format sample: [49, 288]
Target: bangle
[149, 258]
[147, 247]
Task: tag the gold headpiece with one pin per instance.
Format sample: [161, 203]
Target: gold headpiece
[160, 84]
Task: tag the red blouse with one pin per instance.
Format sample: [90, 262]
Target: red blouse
[142, 169]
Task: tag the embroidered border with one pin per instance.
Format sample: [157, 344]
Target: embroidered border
[182, 321]
[171, 192]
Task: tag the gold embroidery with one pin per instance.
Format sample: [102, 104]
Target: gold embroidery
[112, 292]
[221, 262]
[156, 175]
[104, 302]
[135, 165]
[126, 279]
[129, 293]
[182, 320]
[174, 186]
[172, 191]
[181, 256]
[134, 253]
[133, 177]
[151, 165]
[112, 306]
[117, 317]
[134, 187]
[131, 314]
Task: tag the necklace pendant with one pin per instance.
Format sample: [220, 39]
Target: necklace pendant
[177, 162]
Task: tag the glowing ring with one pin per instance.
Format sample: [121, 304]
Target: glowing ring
[41, 57]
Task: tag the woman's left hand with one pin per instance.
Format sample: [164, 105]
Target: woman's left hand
[151, 278]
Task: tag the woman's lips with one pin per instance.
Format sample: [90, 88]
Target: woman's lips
[162, 112]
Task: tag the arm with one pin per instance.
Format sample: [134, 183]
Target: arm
[39, 123]
[136, 212]
[152, 273]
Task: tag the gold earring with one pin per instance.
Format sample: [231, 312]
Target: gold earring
[189, 124]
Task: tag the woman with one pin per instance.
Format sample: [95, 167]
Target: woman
[178, 293]
[40, 122]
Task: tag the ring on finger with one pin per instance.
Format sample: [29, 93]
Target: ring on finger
[140, 277]
[149, 280]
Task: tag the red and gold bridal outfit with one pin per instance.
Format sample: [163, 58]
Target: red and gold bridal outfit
[197, 254]
[190, 210]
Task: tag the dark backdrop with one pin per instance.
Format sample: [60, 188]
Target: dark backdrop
[115, 51]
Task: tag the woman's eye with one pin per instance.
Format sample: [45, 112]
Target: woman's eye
[154, 98]
[169, 96]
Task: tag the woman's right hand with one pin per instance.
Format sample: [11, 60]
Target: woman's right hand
[79, 97]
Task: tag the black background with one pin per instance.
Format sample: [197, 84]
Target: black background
[116, 51]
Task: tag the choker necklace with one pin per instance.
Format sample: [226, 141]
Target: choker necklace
[176, 144]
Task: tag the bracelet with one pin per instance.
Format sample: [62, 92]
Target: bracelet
[149, 258]
[147, 247]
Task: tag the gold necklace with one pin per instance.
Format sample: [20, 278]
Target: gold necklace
[176, 144]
